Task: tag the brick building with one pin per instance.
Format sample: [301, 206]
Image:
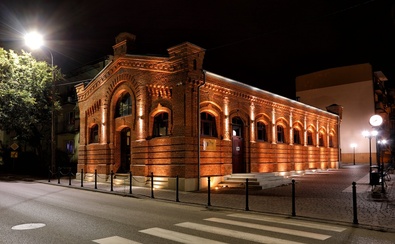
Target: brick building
[167, 116]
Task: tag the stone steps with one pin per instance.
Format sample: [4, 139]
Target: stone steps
[255, 180]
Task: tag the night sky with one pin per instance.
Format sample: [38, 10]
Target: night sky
[264, 43]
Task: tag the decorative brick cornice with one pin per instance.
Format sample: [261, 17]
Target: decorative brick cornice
[159, 91]
[279, 106]
[162, 65]
[93, 109]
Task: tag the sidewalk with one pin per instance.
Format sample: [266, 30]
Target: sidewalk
[323, 195]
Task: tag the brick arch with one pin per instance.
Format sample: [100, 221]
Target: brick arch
[244, 116]
[262, 117]
[211, 106]
[119, 79]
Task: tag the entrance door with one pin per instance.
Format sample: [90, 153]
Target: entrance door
[238, 164]
[237, 155]
[125, 151]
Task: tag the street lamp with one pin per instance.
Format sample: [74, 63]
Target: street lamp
[35, 40]
[353, 146]
[369, 135]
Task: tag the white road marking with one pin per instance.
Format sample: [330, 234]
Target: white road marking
[178, 237]
[271, 228]
[290, 222]
[115, 240]
[29, 226]
[235, 234]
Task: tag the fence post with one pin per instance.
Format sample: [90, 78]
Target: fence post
[70, 177]
[112, 179]
[95, 178]
[208, 191]
[177, 199]
[247, 208]
[59, 175]
[354, 201]
[130, 182]
[293, 198]
[152, 185]
[82, 177]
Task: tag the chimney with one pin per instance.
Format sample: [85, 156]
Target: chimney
[124, 43]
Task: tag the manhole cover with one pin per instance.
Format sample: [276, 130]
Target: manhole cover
[29, 226]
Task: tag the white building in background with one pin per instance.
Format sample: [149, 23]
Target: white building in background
[351, 87]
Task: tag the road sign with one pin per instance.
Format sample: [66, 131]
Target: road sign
[14, 146]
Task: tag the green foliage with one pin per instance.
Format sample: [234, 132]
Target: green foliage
[26, 95]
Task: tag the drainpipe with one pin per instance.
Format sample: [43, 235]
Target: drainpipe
[199, 123]
[338, 142]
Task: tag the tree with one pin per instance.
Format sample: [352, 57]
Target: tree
[26, 98]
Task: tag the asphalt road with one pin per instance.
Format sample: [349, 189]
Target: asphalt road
[32, 212]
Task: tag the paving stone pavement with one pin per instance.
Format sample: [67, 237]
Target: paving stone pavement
[321, 195]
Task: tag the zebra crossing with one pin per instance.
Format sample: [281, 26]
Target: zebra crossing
[267, 227]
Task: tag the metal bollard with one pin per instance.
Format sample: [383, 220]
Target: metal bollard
[82, 177]
[354, 203]
[152, 185]
[130, 182]
[49, 174]
[70, 177]
[293, 198]
[208, 192]
[247, 208]
[59, 175]
[112, 180]
[177, 199]
[95, 178]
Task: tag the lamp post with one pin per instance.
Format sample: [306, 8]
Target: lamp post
[353, 146]
[369, 135]
[34, 40]
[381, 144]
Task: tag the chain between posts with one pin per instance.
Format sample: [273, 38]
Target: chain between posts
[69, 174]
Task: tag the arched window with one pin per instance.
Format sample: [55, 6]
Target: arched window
[261, 131]
[331, 140]
[280, 134]
[94, 134]
[321, 140]
[208, 127]
[124, 106]
[310, 141]
[296, 133]
[161, 125]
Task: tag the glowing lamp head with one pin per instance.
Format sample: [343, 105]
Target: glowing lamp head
[34, 40]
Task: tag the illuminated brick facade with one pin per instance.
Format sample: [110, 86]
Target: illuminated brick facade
[140, 114]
